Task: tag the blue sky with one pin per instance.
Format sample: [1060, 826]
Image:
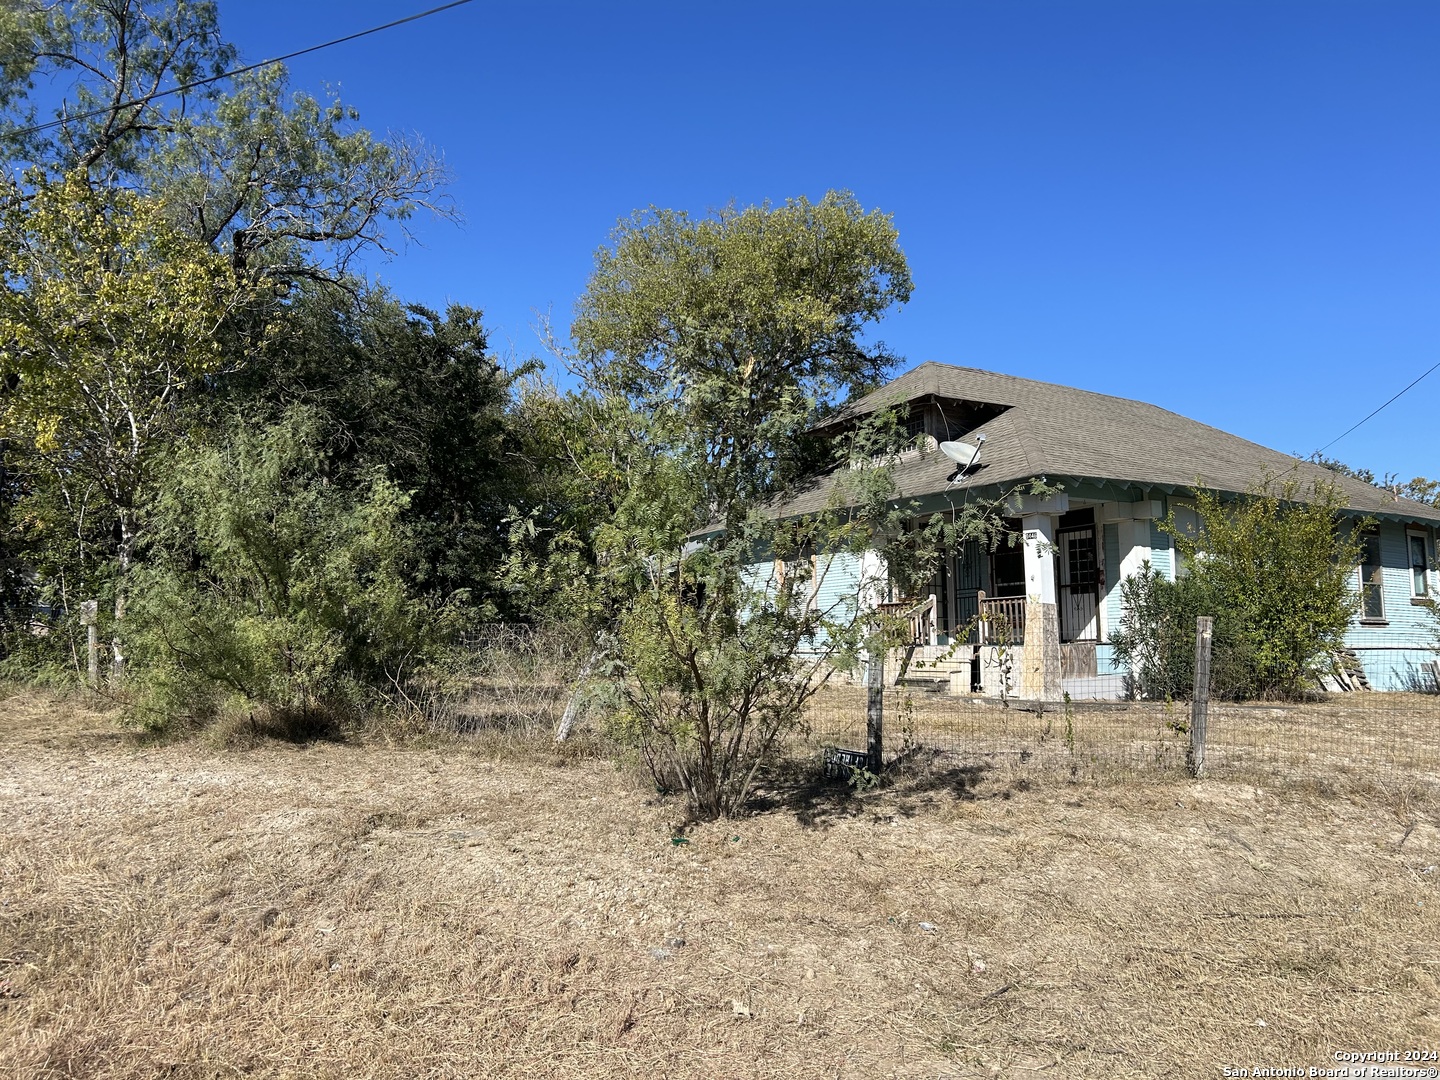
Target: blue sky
[1229, 209]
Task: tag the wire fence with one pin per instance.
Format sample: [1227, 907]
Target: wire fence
[1354, 738]
[1101, 727]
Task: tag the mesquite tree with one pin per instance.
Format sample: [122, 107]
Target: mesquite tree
[725, 340]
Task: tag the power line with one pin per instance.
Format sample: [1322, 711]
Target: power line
[36, 128]
[1402, 393]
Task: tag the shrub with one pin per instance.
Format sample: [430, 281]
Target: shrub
[1274, 569]
[1152, 641]
[270, 588]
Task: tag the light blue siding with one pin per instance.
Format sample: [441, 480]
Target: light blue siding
[1111, 540]
[1405, 622]
[760, 576]
[839, 585]
[1399, 669]
[835, 587]
[1393, 653]
[1105, 663]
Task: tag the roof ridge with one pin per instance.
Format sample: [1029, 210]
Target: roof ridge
[1016, 419]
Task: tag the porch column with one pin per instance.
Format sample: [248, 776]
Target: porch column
[1040, 667]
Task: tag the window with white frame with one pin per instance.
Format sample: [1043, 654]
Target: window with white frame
[1372, 578]
[1418, 549]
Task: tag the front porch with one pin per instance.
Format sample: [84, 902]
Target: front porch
[1037, 612]
[993, 671]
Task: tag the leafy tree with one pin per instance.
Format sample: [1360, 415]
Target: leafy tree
[719, 662]
[1422, 490]
[122, 57]
[1418, 488]
[1274, 568]
[580, 453]
[106, 313]
[400, 388]
[1338, 466]
[285, 184]
[711, 350]
[269, 587]
[156, 182]
[740, 330]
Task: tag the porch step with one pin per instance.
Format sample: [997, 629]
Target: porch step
[925, 684]
[1354, 671]
[923, 671]
[931, 659]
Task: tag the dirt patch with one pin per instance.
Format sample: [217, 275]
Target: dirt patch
[333, 910]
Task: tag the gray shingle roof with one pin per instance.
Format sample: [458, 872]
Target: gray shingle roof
[1069, 435]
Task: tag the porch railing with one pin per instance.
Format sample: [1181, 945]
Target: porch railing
[921, 614]
[1002, 619]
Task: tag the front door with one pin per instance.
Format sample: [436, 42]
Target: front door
[1078, 577]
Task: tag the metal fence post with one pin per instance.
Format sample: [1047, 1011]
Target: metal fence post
[1200, 701]
[875, 707]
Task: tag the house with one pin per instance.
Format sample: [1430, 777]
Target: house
[1118, 467]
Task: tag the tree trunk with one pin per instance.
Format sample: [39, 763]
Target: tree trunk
[125, 556]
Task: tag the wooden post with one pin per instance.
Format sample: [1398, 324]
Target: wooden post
[875, 707]
[572, 710]
[1200, 702]
[89, 615]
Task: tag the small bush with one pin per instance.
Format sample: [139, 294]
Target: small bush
[1275, 573]
[271, 591]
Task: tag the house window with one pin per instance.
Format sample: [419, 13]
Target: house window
[1007, 570]
[1372, 579]
[1419, 566]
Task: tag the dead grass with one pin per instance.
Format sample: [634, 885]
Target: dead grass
[332, 910]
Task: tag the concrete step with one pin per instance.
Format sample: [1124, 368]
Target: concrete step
[936, 671]
[926, 684]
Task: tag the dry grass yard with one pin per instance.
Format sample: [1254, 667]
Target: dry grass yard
[1347, 742]
[468, 911]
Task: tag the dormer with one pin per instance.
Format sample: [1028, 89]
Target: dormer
[948, 418]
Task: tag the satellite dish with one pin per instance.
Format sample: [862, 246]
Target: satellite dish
[963, 454]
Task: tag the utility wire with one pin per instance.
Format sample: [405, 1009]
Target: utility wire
[237, 71]
[1387, 404]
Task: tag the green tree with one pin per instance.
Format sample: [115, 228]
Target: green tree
[712, 349]
[285, 184]
[574, 451]
[1275, 568]
[270, 588]
[1418, 488]
[740, 330]
[1337, 466]
[1422, 490]
[106, 314]
[169, 184]
[401, 388]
